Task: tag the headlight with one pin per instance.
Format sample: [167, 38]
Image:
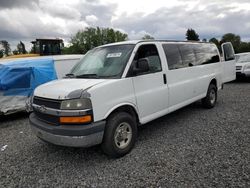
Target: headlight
[76, 104]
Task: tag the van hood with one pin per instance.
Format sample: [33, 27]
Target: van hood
[65, 88]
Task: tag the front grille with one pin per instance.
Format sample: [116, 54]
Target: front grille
[50, 103]
[54, 120]
[238, 67]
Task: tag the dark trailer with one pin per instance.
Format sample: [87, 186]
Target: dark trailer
[48, 46]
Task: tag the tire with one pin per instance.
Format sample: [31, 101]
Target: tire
[120, 135]
[211, 98]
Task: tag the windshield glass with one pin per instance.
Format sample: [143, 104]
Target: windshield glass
[242, 58]
[103, 62]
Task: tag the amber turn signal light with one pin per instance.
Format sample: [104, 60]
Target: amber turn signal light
[81, 119]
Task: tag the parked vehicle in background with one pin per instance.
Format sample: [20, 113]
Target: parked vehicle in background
[243, 64]
[19, 77]
[45, 47]
[117, 87]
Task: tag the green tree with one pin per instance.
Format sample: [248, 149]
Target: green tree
[244, 47]
[1, 53]
[6, 47]
[147, 37]
[111, 36]
[89, 38]
[234, 39]
[23, 50]
[73, 49]
[216, 42]
[192, 35]
[204, 40]
[15, 52]
[238, 45]
[19, 48]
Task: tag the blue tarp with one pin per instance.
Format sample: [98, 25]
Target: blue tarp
[21, 77]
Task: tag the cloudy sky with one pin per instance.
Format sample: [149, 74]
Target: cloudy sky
[29, 19]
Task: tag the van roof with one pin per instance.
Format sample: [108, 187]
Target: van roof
[139, 41]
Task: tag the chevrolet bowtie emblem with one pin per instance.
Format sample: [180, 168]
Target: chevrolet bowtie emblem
[41, 108]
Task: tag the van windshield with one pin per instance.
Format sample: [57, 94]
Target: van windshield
[103, 62]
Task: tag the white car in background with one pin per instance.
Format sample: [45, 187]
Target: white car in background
[243, 64]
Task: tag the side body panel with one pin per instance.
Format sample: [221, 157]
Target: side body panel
[108, 96]
[189, 84]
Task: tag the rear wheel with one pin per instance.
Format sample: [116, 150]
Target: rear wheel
[120, 134]
[211, 98]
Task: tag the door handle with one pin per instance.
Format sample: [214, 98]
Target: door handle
[164, 79]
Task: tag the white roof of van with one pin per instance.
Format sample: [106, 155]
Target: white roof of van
[152, 40]
[123, 42]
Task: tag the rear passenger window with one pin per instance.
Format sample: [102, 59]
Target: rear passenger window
[173, 56]
[206, 54]
[187, 54]
[181, 55]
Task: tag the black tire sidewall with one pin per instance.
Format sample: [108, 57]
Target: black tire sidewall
[206, 101]
[108, 144]
[213, 87]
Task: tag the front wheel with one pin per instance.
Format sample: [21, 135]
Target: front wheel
[211, 98]
[119, 135]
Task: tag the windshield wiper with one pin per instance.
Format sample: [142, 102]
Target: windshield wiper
[87, 76]
[70, 75]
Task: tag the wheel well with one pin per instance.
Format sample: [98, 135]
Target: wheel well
[214, 81]
[128, 109]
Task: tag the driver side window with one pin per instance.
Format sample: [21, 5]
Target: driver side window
[150, 52]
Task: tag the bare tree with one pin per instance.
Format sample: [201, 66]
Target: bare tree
[6, 47]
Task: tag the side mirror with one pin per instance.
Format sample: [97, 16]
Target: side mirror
[142, 66]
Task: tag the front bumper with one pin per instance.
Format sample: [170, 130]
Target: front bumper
[68, 135]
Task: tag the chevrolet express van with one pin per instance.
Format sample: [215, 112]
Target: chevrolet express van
[117, 87]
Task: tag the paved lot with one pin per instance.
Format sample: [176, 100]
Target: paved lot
[193, 147]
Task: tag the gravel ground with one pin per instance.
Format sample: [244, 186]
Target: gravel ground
[192, 147]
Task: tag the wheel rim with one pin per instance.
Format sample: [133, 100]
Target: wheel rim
[123, 135]
[212, 96]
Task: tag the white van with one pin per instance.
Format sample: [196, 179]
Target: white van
[117, 87]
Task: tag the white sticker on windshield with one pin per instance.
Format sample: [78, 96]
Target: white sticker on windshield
[114, 55]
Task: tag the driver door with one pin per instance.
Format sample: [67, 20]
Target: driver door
[150, 88]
